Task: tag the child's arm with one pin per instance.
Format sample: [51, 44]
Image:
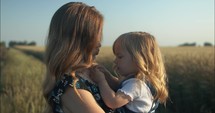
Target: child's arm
[112, 81]
[111, 99]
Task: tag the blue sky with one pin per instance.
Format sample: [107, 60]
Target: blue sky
[172, 22]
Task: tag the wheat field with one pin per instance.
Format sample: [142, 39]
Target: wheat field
[191, 76]
[21, 77]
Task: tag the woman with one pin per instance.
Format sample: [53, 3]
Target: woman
[72, 44]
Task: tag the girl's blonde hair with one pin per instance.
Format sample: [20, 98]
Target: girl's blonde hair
[145, 52]
[73, 33]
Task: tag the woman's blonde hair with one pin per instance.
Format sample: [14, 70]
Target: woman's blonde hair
[73, 33]
[145, 52]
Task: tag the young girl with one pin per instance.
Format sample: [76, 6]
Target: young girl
[143, 77]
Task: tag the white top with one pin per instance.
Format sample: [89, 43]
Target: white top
[141, 97]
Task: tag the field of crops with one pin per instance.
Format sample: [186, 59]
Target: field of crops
[21, 78]
[190, 70]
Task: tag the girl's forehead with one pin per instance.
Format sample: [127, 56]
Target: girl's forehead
[118, 47]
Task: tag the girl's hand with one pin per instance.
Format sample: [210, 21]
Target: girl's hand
[104, 70]
[96, 75]
[113, 81]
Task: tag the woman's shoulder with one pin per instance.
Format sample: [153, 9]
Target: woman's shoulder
[63, 84]
[68, 80]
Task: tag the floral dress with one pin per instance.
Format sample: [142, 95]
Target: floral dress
[67, 81]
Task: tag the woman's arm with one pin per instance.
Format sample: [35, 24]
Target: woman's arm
[73, 104]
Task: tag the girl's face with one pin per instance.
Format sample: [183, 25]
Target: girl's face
[125, 66]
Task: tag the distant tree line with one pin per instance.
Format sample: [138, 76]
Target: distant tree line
[194, 44]
[208, 44]
[3, 54]
[188, 44]
[14, 43]
[2, 44]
